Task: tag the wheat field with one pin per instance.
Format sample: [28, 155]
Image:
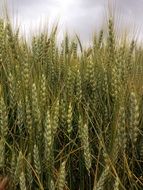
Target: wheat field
[71, 116]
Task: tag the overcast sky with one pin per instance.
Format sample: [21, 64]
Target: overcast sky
[77, 16]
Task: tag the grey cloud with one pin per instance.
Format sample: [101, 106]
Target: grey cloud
[30, 2]
[82, 16]
[91, 3]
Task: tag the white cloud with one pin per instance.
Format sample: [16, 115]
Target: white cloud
[80, 16]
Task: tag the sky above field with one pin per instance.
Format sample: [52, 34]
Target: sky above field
[76, 16]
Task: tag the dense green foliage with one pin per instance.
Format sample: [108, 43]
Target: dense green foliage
[71, 117]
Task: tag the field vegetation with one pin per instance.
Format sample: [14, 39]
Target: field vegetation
[71, 116]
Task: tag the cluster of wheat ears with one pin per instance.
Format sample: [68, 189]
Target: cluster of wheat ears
[70, 117]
